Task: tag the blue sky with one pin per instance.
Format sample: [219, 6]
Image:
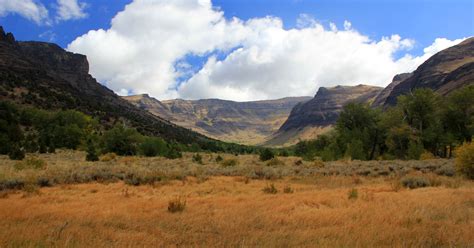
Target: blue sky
[422, 20]
[395, 36]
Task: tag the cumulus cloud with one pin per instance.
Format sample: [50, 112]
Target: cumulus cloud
[70, 10]
[29, 9]
[145, 51]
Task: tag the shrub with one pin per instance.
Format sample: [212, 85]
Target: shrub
[31, 163]
[153, 146]
[122, 140]
[173, 153]
[275, 162]
[465, 159]
[219, 158]
[266, 154]
[270, 189]
[230, 162]
[414, 182]
[287, 189]
[197, 158]
[284, 153]
[298, 162]
[108, 157]
[16, 153]
[91, 152]
[178, 204]
[426, 155]
[353, 194]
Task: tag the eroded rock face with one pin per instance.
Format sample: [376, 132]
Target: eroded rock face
[324, 108]
[446, 71]
[316, 116]
[46, 76]
[242, 122]
[383, 95]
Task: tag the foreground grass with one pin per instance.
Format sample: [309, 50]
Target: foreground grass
[340, 204]
[227, 211]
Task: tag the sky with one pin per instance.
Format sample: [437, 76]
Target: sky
[243, 49]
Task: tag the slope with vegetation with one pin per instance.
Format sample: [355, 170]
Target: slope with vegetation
[422, 124]
[320, 113]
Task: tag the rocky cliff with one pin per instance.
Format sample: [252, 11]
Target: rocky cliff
[444, 72]
[316, 115]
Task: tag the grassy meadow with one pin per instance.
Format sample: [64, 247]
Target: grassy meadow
[59, 200]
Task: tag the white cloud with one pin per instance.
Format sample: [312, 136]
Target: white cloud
[144, 51]
[70, 10]
[29, 9]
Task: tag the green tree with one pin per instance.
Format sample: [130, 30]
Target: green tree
[91, 151]
[153, 146]
[122, 140]
[266, 154]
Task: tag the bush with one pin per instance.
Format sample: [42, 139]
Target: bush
[414, 182]
[266, 154]
[353, 194]
[287, 189]
[91, 152]
[230, 162]
[153, 146]
[177, 204]
[219, 158]
[197, 158]
[426, 155]
[173, 153]
[465, 159]
[270, 189]
[31, 163]
[275, 162]
[122, 140]
[16, 153]
[108, 157]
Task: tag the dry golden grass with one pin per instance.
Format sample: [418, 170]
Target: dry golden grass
[227, 212]
[337, 204]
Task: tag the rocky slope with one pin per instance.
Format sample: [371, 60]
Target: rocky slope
[444, 72]
[317, 115]
[241, 122]
[45, 76]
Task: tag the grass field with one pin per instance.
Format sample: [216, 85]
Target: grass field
[338, 204]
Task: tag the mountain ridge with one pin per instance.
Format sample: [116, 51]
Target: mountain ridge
[243, 122]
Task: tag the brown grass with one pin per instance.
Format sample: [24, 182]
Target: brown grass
[223, 212]
[342, 204]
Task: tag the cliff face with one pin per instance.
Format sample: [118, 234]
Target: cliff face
[242, 122]
[321, 112]
[444, 72]
[45, 76]
[384, 94]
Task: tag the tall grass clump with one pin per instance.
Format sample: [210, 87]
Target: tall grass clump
[177, 204]
[465, 159]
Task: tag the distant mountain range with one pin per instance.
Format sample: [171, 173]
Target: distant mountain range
[46, 76]
[242, 122]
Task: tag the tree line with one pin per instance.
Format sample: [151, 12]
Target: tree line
[26, 129]
[422, 124]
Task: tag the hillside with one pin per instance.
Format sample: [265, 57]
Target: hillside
[46, 76]
[308, 119]
[241, 122]
[444, 72]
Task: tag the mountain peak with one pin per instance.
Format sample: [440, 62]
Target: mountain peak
[6, 37]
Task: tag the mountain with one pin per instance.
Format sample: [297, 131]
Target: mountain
[240, 122]
[444, 72]
[384, 94]
[46, 76]
[316, 116]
